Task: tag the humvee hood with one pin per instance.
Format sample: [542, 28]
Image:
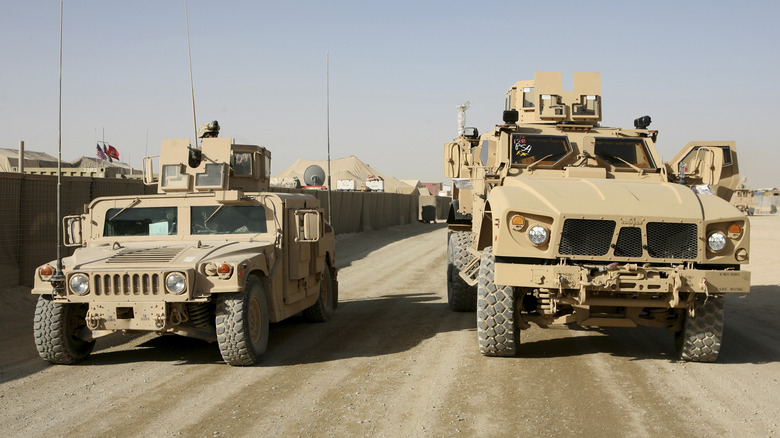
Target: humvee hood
[599, 197]
[148, 254]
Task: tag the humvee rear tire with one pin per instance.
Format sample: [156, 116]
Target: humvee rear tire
[242, 324]
[322, 310]
[56, 327]
[699, 340]
[496, 329]
[461, 297]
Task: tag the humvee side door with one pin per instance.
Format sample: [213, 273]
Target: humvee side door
[712, 163]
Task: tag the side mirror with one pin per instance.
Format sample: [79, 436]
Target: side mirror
[71, 231]
[309, 225]
[148, 168]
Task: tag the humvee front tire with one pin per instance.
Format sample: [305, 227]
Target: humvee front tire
[242, 324]
[56, 327]
[322, 310]
[496, 329]
[461, 297]
[700, 337]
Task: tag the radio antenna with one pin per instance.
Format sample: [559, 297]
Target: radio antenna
[192, 86]
[327, 99]
[58, 279]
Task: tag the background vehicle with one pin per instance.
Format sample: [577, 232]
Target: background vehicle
[556, 219]
[213, 256]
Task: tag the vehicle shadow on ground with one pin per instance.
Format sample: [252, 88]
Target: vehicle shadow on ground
[751, 335]
[360, 328]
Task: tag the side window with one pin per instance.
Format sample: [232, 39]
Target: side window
[243, 163]
[695, 153]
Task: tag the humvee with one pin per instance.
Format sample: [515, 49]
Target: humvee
[213, 255]
[558, 220]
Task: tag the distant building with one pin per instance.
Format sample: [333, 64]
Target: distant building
[39, 163]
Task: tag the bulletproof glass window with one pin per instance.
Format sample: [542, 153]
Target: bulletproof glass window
[529, 95]
[212, 177]
[144, 221]
[228, 219]
[619, 152]
[547, 149]
[696, 152]
[243, 163]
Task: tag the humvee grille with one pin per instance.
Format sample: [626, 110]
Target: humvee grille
[153, 255]
[127, 284]
[629, 243]
[586, 237]
[673, 241]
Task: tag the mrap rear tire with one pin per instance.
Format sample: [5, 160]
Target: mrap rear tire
[497, 332]
[461, 297]
[700, 337]
[242, 324]
[57, 327]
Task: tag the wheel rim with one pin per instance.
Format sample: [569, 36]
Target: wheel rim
[255, 321]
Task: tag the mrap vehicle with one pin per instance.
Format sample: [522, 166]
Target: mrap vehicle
[213, 255]
[558, 220]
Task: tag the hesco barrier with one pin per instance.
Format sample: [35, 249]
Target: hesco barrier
[28, 205]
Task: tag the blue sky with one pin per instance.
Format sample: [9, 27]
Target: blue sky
[701, 70]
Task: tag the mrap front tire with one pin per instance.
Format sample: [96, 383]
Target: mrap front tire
[497, 332]
[242, 324]
[461, 297]
[701, 334]
[57, 327]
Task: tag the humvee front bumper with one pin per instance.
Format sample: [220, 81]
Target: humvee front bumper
[624, 284]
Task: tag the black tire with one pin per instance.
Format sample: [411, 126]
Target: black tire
[496, 329]
[56, 327]
[700, 337]
[322, 310]
[242, 324]
[460, 296]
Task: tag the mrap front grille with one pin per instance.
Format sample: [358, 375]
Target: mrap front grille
[595, 237]
[128, 284]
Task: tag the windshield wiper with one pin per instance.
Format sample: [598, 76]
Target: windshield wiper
[641, 171]
[213, 214]
[132, 203]
[532, 165]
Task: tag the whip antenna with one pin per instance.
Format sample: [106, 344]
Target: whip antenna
[327, 99]
[58, 278]
[192, 86]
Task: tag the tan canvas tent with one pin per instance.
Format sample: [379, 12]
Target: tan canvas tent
[350, 168]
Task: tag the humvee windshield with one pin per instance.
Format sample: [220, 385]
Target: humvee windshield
[527, 149]
[227, 219]
[619, 152]
[145, 221]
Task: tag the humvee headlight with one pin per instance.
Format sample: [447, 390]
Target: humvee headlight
[79, 284]
[175, 283]
[717, 241]
[537, 234]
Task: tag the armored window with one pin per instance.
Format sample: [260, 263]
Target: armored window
[213, 177]
[145, 221]
[546, 149]
[243, 163]
[624, 152]
[228, 219]
[529, 95]
[696, 153]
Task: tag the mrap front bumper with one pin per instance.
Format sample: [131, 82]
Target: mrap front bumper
[627, 284]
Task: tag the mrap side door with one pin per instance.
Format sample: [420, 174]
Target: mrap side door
[712, 163]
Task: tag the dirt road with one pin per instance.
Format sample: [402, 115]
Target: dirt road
[396, 362]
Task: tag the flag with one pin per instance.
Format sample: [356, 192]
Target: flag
[105, 150]
[101, 154]
[113, 153]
